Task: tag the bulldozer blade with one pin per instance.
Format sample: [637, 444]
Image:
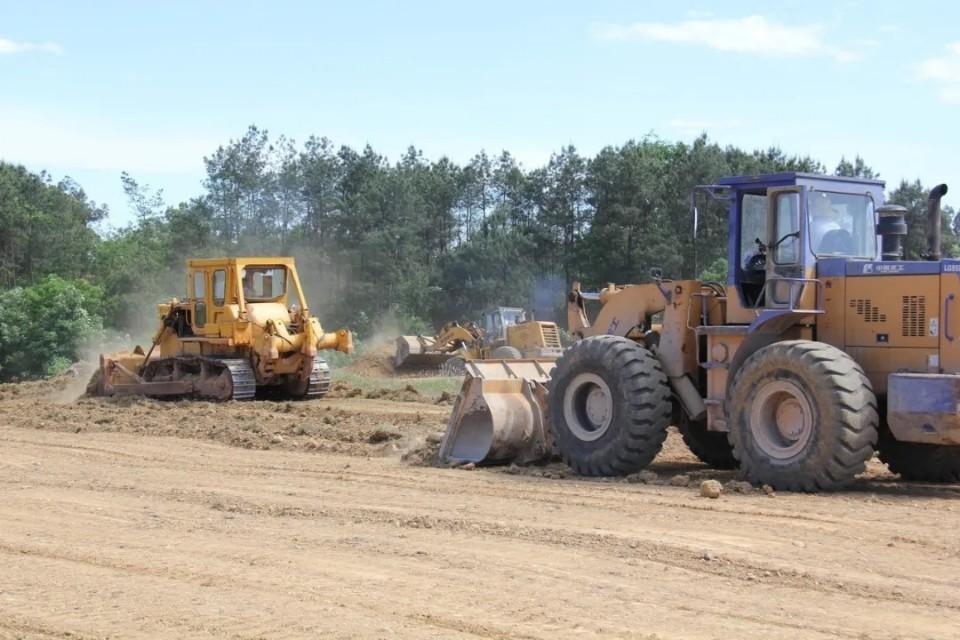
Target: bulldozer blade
[500, 414]
[417, 351]
[116, 369]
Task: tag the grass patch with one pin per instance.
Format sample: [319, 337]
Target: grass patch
[431, 387]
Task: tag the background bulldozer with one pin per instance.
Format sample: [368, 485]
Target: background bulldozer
[504, 333]
[243, 327]
[821, 348]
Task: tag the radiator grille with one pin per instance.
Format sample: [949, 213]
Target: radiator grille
[914, 316]
[551, 337]
[865, 309]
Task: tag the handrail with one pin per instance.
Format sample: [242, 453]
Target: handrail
[797, 288]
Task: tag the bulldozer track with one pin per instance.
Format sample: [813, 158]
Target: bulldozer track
[243, 378]
[319, 379]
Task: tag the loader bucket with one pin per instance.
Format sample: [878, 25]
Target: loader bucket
[417, 351]
[500, 414]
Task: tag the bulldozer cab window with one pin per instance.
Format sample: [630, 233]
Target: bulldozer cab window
[219, 287]
[199, 298]
[264, 284]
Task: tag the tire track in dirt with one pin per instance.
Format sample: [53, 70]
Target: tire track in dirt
[690, 556]
[664, 553]
[371, 547]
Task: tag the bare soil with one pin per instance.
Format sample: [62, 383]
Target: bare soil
[139, 518]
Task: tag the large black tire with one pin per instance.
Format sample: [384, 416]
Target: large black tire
[506, 352]
[803, 417]
[609, 406]
[917, 461]
[455, 366]
[710, 447]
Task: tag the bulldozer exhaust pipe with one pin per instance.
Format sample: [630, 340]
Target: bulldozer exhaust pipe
[934, 222]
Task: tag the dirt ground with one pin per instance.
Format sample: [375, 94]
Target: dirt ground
[138, 518]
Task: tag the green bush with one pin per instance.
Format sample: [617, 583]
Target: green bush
[44, 327]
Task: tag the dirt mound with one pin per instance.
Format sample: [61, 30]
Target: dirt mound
[408, 393]
[423, 452]
[376, 361]
[389, 422]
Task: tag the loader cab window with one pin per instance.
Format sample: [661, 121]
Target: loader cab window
[786, 237]
[842, 224]
[264, 284]
[495, 324]
[219, 287]
[753, 227]
[199, 298]
[753, 262]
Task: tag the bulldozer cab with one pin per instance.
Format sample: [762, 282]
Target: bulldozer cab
[222, 292]
[495, 322]
[782, 225]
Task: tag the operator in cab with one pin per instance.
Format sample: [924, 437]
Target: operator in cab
[829, 228]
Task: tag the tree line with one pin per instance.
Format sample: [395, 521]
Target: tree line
[421, 241]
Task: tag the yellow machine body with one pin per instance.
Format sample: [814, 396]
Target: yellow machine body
[243, 324]
[503, 333]
[816, 351]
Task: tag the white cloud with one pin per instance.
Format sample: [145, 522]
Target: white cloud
[943, 71]
[752, 34]
[10, 46]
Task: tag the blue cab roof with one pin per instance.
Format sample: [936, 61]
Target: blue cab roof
[796, 178]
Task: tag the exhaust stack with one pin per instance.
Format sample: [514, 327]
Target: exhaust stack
[892, 228]
[934, 222]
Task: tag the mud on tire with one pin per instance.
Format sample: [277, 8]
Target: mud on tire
[609, 406]
[803, 417]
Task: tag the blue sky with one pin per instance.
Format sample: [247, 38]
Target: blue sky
[91, 89]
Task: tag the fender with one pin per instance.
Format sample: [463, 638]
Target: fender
[767, 328]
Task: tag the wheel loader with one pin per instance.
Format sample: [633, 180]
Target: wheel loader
[503, 333]
[822, 347]
[244, 328]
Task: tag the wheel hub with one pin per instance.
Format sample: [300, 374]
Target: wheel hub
[781, 419]
[588, 406]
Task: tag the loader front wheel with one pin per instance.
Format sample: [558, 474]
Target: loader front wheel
[710, 447]
[803, 417]
[919, 461]
[609, 406]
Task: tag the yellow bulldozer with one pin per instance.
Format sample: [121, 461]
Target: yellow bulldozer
[504, 333]
[821, 348]
[243, 328]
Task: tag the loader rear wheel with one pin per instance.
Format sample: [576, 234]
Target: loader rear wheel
[609, 406]
[710, 447]
[803, 417]
[506, 352]
[918, 461]
[455, 366]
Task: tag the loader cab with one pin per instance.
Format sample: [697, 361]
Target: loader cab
[495, 321]
[782, 224]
